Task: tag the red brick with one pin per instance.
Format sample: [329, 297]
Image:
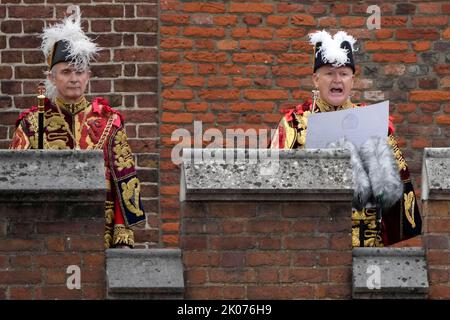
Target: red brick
[439, 292]
[437, 241]
[428, 8]
[335, 258]
[219, 94]
[206, 68]
[234, 292]
[204, 7]
[326, 22]
[20, 245]
[438, 257]
[252, 58]
[267, 258]
[225, 20]
[170, 240]
[285, 7]
[418, 34]
[421, 45]
[277, 20]
[57, 292]
[385, 45]
[96, 260]
[92, 275]
[438, 276]
[204, 292]
[20, 277]
[174, 18]
[439, 225]
[340, 9]
[84, 244]
[303, 275]
[201, 259]
[340, 242]
[93, 292]
[353, 22]
[136, 25]
[384, 34]
[265, 292]
[204, 32]
[252, 20]
[395, 57]
[21, 293]
[265, 94]
[196, 276]
[430, 21]
[445, 8]
[30, 11]
[205, 56]
[231, 275]
[290, 70]
[293, 58]
[227, 45]
[166, 30]
[176, 43]
[302, 20]
[232, 243]
[251, 7]
[429, 95]
[233, 259]
[443, 119]
[170, 226]
[291, 33]
[303, 242]
[256, 70]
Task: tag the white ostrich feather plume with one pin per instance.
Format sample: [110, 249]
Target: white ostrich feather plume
[330, 49]
[81, 49]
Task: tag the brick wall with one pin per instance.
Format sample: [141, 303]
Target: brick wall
[238, 63]
[125, 73]
[437, 243]
[249, 250]
[39, 241]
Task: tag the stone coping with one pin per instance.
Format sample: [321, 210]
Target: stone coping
[266, 175]
[52, 175]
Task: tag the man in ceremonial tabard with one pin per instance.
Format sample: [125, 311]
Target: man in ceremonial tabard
[384, 204]
[73, 122]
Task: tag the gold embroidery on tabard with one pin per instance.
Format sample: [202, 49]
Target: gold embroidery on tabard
[409, 208]
[365, 232]
[131, 191]
[401, 163]
[122, 235]
[122, 151]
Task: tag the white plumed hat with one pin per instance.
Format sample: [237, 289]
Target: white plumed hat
[336, 50]
[66, 42]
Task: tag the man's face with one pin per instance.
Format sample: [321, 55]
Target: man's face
[334, 84]
[69, 82]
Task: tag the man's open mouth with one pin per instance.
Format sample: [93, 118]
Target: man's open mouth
[336, 90]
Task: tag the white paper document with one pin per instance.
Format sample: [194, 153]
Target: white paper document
[356, 125]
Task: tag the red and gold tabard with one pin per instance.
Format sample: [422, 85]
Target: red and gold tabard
[87, 126]
[400, 222]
